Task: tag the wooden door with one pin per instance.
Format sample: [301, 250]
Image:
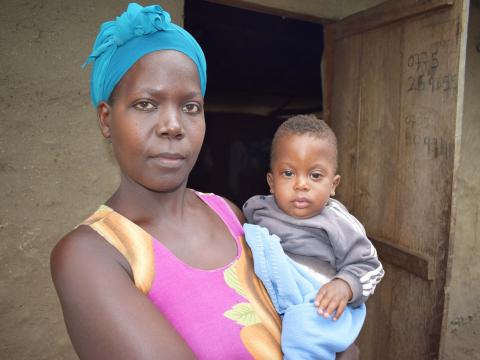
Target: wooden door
[393, 108]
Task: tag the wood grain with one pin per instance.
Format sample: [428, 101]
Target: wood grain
[394, 112]
[387, 13]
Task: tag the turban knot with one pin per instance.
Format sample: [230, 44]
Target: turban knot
[135, 33]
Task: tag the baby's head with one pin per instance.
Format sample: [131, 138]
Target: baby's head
[303, 166]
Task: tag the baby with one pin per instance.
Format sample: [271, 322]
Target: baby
[314, 229]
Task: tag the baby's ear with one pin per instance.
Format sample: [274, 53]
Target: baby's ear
[104, 114]
[335, 183]
[270, 182]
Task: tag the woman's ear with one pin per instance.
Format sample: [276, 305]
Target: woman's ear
[104, 114]
[270, 182]
[336, 181]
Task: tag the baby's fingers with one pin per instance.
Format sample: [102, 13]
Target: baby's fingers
[331, 307]
[320, 295]
[323, 304]
[340, 309]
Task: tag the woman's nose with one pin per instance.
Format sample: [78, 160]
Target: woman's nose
[170, 125]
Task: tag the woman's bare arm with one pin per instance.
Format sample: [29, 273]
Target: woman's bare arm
[106, 316]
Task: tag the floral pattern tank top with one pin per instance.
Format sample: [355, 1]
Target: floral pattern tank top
[224, 313]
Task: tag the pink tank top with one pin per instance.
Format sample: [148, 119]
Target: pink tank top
[223, 313]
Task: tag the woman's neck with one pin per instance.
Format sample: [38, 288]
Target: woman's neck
[140, 204]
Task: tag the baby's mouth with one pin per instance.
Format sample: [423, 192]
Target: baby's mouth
[301, 203]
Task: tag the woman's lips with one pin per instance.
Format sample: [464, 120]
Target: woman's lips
[168, 160]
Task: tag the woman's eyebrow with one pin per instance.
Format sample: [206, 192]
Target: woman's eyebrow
[156, 91]
[193, 94]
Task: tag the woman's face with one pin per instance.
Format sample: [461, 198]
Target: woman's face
[156, 121]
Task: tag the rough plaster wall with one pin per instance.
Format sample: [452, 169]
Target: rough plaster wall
[463, 327]
[54, 166]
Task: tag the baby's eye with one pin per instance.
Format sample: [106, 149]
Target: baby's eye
[144, 106]
[316, 175]
[191, 108]
[287, 173]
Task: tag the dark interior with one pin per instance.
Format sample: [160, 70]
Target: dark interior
[254, 61]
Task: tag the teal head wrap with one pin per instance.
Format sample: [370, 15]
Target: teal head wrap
[137, 32]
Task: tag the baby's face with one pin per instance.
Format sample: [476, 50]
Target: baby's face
[303, 175]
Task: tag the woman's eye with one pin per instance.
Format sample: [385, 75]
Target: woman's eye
[191, 108]
[144, 106]
[287, 173]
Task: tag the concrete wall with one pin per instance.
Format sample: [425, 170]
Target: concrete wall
[463, 288]
[55, 167]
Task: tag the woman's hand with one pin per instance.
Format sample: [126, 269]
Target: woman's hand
[333, 297]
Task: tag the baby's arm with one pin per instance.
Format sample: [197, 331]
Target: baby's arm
[359, 267]
[356, 260]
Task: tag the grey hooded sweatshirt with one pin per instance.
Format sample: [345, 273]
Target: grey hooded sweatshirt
[334, 236]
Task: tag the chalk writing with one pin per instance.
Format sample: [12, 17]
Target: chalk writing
[444, 83]
[434, 146]
[416, 83]
[433, 83]
[425, 65]
[412, 119]
[424, 62]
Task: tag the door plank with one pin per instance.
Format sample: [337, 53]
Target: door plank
[386, 13]
[345, 107]
[416, 263]
[377, 142]
[375, 198]
[394, 112]
[427, 133]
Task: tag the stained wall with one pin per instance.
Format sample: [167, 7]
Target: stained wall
[463, 287]
[55, 167]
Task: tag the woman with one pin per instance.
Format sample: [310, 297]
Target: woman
[160, 271]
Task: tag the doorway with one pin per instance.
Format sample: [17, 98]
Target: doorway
[261, 70]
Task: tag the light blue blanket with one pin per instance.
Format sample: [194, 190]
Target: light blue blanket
[305, 334]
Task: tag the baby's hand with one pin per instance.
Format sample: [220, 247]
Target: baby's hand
[333, 296]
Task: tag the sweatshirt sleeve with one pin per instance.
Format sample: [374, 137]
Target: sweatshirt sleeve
[355, 257]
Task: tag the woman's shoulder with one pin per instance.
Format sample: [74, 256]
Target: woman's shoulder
[221, 203]
[99, 299]
[83, 253]
[81, 240]
[77, 243]
[78, 250]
